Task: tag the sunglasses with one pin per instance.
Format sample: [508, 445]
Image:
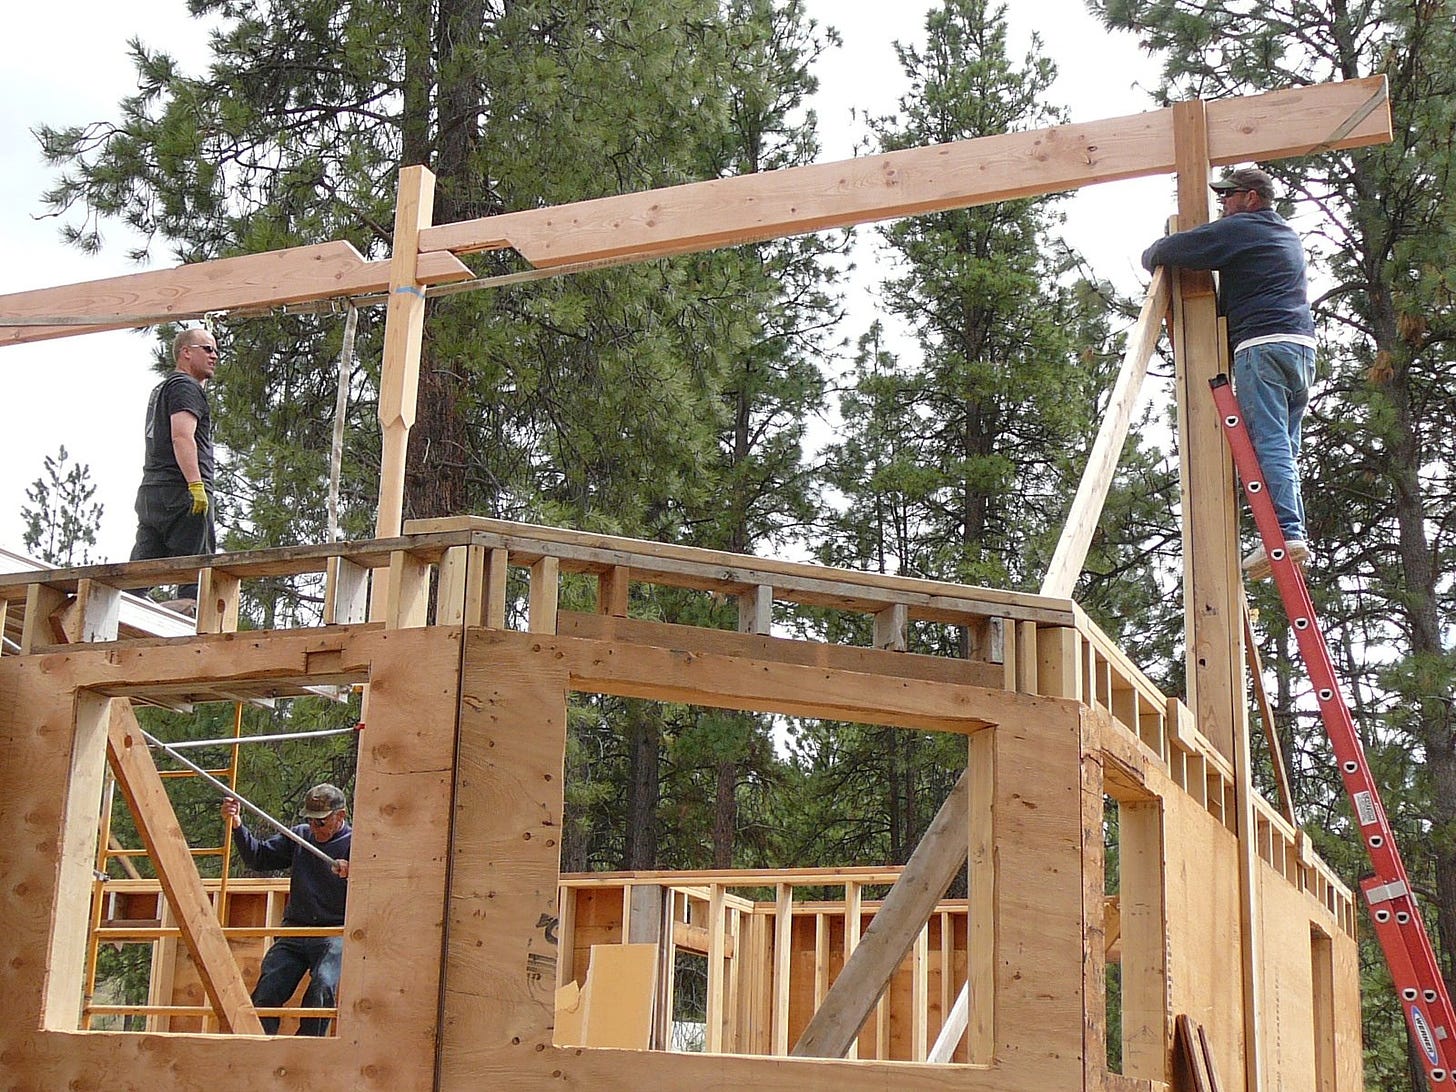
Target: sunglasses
[211, 350]
[318, 822]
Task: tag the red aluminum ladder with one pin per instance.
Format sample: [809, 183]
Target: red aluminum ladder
[1398, 923]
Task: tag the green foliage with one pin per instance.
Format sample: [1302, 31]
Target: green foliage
[61, 527]
[273, 776]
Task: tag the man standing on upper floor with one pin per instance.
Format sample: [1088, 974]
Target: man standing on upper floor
[1264, 295]
[174, 502]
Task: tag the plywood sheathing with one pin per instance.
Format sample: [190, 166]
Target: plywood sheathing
[497, 1023]
[52, 716]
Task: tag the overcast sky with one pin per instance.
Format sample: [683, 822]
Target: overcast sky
[89, 393]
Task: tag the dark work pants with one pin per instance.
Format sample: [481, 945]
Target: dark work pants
[166, 527]
[284, 967]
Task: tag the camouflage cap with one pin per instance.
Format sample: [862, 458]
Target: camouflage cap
[1246, 178]
[322, 801]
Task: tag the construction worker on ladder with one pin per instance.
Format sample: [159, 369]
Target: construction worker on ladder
[1264, 294]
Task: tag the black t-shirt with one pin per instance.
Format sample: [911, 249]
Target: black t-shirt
[178, 392]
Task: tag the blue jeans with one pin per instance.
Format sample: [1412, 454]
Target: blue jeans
[283, 969]
[1272, 383]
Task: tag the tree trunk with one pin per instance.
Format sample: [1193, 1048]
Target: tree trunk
[439, 447]
[725, 813]
[1418, 604]
[644, 740]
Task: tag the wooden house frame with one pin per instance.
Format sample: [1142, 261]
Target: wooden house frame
[451, 951]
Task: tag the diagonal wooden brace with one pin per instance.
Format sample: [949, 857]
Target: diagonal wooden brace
[161, 834]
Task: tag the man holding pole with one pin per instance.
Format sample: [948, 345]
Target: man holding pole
[317, 857]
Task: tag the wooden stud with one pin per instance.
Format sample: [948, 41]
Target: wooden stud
[919, 995]
[406, 595]
[783, 964]
[755, 610]
[613, 586]
[97, 613]
[644, 913]
[451, 605]
[1009, 656]
[1027, 652]
[666, 965]
[980, 987]
[1059, 672]
[890, 626]
[733, 969]
[41, 602]
[1097, 909]
[1145, 1030]
[821, 959]
[494, 579]
[565, 936]
[1212, 580]
[545, 588]
[853, 925]
[346, 593]
[218, 593]
[716, 1001]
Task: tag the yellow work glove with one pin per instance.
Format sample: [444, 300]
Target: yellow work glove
[199, 497]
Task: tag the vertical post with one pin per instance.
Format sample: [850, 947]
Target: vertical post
[1212, 581]
[40, 603]
[717, 920]
[612, 590]
[783, 966]
[404, 324]
[545, 588]
[1146, 1034]
[1210, 506]
[980, 987]
[853, 926]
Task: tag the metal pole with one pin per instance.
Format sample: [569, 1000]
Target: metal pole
[228, 741]
[231, 795]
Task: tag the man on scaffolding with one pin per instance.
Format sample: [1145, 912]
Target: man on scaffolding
[316, 896]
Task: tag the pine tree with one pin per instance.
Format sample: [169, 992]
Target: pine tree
[957, 456]
[61, 527]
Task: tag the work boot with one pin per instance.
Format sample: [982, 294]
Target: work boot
[1256, 564]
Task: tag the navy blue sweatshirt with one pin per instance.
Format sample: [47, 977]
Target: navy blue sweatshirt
[315, 894]
[1262, 288]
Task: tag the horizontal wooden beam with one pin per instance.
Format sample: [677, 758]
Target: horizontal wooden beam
[796, 200]
[728, 211]
[323, 271]
[734, 682]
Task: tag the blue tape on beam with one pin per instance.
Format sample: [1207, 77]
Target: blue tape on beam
[411, 290]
